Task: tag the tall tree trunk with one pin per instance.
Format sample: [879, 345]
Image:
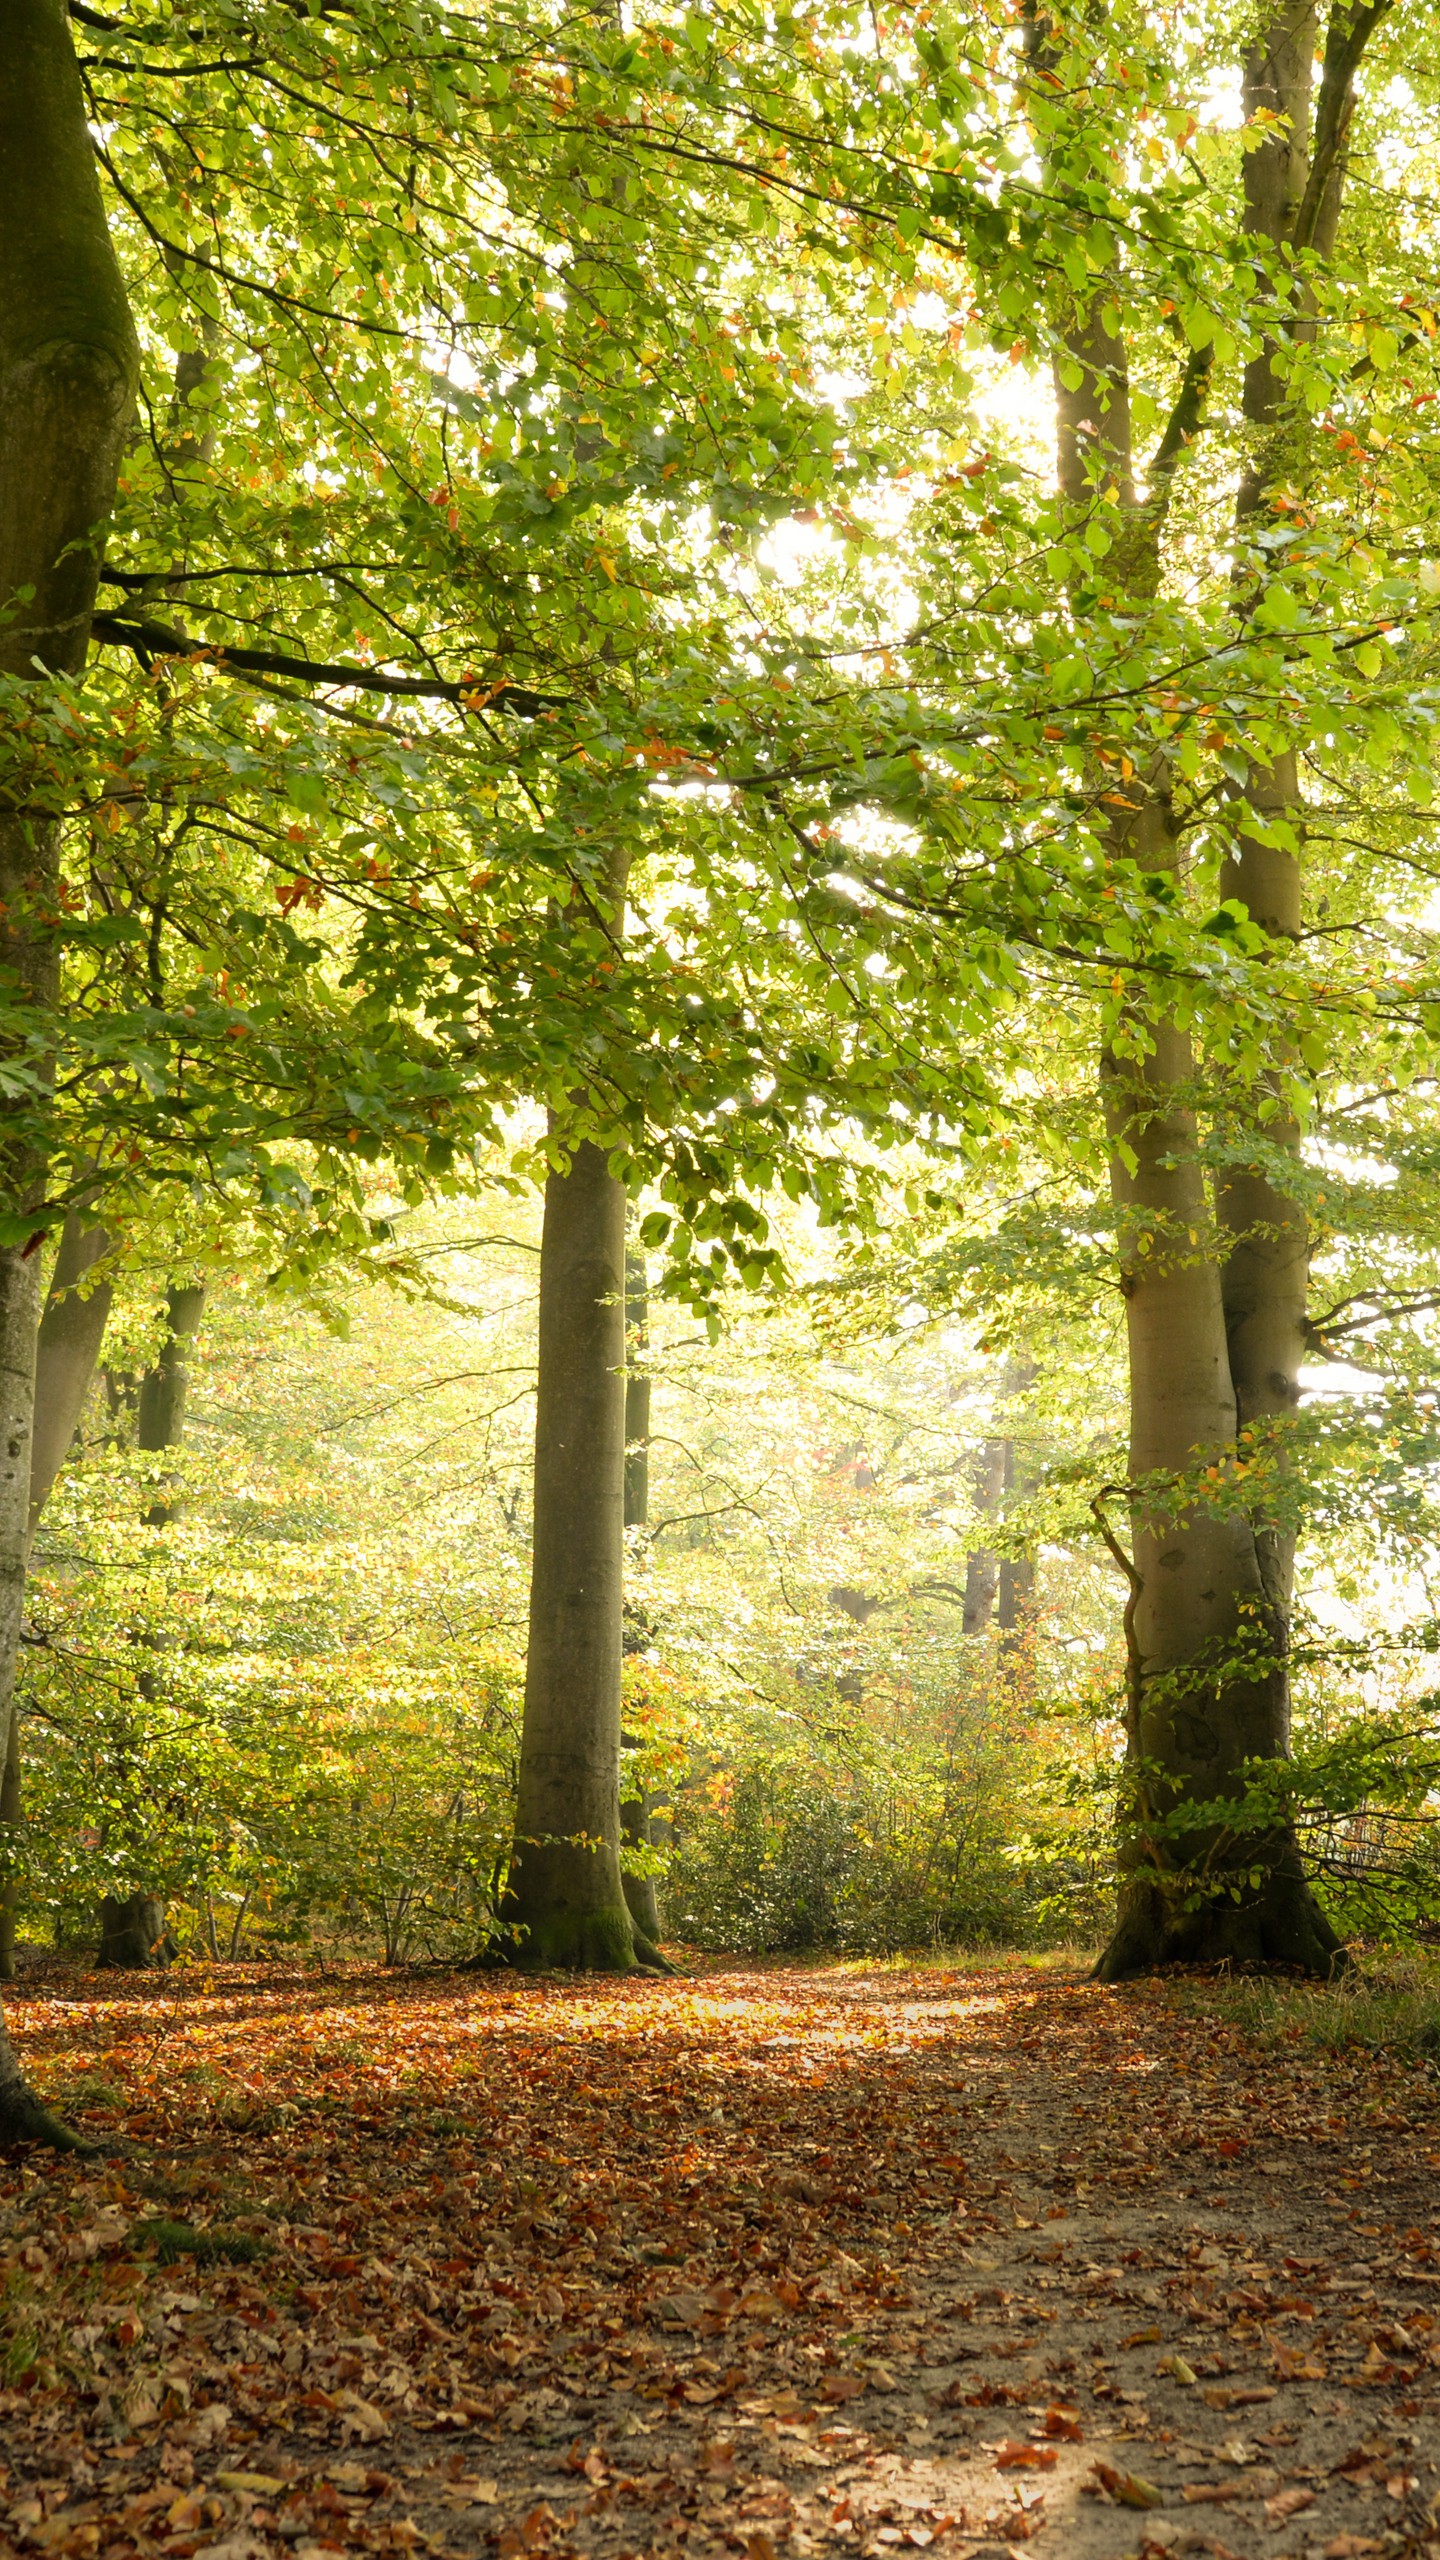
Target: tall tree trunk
[638, 1813]
[1293, 186]
[66, 1353]
[1207, 1689]
[565, 1892]
[68, 368]
[1267, 1267]
[1294, 191]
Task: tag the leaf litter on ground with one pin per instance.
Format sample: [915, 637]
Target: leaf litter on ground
[765, 2261]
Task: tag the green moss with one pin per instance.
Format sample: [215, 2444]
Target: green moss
[580, 1942]
[172, 2240]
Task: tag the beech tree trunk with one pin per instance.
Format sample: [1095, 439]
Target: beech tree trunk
[160, 1408]
[1000, 1587]
[134, 1936]
[1207, 1622]
[565, 1894]
[68, 369]
[67, 1351]
[1016, 1603]
[982, 1565]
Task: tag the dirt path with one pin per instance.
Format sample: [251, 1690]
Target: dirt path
[770, 2262]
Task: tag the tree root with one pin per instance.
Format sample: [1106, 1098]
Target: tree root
[606, 1940]
[24, 2119]
[1277, 1924]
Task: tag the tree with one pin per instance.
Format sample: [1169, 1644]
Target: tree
[133, 1928]
[68, 365]
[1216, 1338]
[565, 1895]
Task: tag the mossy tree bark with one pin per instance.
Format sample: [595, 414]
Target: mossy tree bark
[1207, 1618]
[68, 370]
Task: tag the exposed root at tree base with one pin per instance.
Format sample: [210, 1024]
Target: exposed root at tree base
[1276, 1925]
[24, 2119]
[602, 1941]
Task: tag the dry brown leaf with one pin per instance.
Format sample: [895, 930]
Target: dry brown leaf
[1126, 2487]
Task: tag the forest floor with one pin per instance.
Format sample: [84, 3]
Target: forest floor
[764, 2261]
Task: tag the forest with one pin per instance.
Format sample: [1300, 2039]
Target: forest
[719, 1276]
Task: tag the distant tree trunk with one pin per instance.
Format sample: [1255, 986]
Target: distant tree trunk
[160, 1407]
[1017, 1573]
[999, 1477]
[565, 1891]
[638, 1813]
[68, 368]
[1017, 1593]
[982, 1565]
[134, 1933]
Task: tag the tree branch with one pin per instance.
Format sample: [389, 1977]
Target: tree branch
[1346, 37]
[150, 640]
[1185, 418]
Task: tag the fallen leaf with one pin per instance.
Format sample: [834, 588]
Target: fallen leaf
[1065, 2423]
[1126, 2487]
[1288, 2503]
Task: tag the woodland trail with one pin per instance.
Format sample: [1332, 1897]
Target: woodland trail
[765, 2261]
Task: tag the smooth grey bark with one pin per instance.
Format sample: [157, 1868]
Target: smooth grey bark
[1293, 197]
[67, 1350]
[134, 1934]
[1207, 1689]
[160, 1406]
[68, 370]
[565, 1894]
[1000, 1587]
[1017, 1590]
[638, 1814]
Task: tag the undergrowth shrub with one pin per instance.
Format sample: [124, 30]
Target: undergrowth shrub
[792, 1857]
